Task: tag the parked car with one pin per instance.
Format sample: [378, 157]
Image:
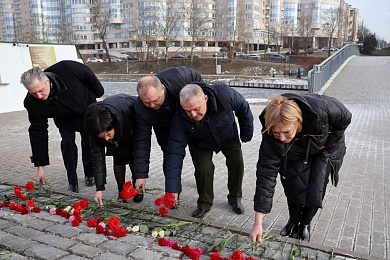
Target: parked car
[291, 52]
[178, 56]
[94, 59]
[155, 57]
[219, 54]
[132, 57]
[278, 57]
[253, 57]
[115, 59]
[194, 56]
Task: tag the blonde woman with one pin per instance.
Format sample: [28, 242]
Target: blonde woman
[303, 141]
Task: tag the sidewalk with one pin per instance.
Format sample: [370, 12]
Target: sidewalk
[354, 221]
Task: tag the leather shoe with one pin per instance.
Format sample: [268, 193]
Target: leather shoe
[138, 198]
[304, 232]
[73, 188]
[89, 181]
[288, 228]
[237, 207]
[199, 213]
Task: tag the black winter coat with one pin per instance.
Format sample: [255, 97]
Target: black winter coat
[75, 87]
[303, 166]
[122, 107]
[217, 129]
[174, 79]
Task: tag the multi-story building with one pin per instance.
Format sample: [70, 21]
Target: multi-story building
[181, 25]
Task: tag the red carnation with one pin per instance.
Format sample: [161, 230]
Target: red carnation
[176, 246]
[37, 209]
[31, 203]
[193, 254]
[237, 255]
[158, 202]
[29, 186]
[75, 222]
[119, 232]
[163, 211]
[99, 229]
[106, 232]
[127, 186]
[215, 256]
[92, 222]
[216, 249]
[162, 241]
[113, 223]
[24, 211]
[84, 203]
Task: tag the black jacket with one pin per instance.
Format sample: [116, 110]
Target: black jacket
[122, 107]
[174, 79]
[75, 87]
[217, 129]
[303, 166]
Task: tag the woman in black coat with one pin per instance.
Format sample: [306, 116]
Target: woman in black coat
[303, 140]
[110, 124]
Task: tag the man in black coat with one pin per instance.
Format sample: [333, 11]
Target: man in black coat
[62, 92]
[206, 121]
[155, 106]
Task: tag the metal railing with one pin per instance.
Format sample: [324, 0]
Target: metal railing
[321, 73]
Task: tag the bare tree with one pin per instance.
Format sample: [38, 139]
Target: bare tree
[200, 24]
[170, 21]
[305, 31]
[148, 28]
[332, 20]
[100, 15]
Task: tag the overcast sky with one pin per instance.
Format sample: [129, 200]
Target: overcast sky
[375, 14]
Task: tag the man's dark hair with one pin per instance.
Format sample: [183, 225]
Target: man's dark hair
[98, 119]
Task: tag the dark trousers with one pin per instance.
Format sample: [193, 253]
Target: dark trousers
[204, 173]
[70, 155]
[299, 214]
[120, 163]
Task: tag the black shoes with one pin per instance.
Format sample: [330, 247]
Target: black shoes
[138, 198]
[304, 232]
[288, 228]
[294, 230]
[89, 181]
[73, 188]
[237, 207]
[199, 213]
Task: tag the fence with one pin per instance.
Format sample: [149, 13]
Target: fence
[321, 73]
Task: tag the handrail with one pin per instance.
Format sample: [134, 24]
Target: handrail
[323, 72]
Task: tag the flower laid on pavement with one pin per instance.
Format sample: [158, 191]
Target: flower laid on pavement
[196, 252]
[73, 215]
[23, 208]
[168, 200]
[112, 228]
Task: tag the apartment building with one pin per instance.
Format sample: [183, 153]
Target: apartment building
[181, 25]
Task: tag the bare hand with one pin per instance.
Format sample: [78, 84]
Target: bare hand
[41, 175]
[257, 233]
[99, 197]
[140, 184]
[176, 198]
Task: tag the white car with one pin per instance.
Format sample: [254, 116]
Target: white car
[253, 57]
[94, 59]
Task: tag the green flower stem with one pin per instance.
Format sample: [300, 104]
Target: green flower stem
[172, 224]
